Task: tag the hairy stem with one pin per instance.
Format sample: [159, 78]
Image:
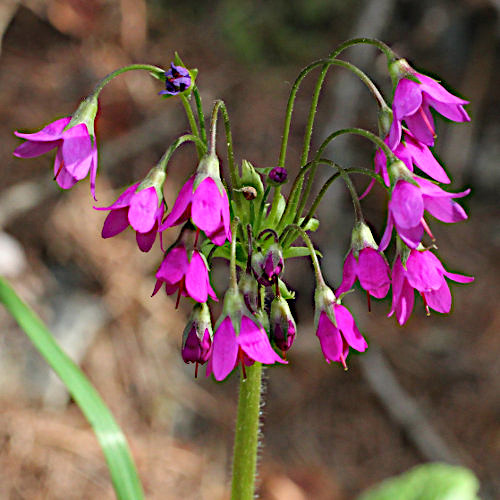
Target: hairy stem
[246, 438]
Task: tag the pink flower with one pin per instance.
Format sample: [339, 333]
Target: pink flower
[411, 103]
[76, 151]
[238, 337]
[335, 327]
[186, 275]
[425, 273]
[207, 206]
[370, 268]
[411, 152]
[141, 209]
[407, 205]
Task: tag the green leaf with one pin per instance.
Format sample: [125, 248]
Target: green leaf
[434, 481]
[121, 466]
[312, 225]
[292, 252]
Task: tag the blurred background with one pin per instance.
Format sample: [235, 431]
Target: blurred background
[424, 392]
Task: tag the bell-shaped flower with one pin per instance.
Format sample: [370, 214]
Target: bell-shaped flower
[423, 272]
[415, 94]
[203, 199]
[238, 337]
[185, 273]
[75, 142]
[197, 337]
[335, 327]
[283, 327]
[365, 263]
[408, 201]
[140, 206]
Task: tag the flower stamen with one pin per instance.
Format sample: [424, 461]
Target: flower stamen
[427, 122]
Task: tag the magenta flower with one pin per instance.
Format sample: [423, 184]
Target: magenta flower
[76, 151]
[186, 275]
[207, 206]
[140, 209]
[197, 337]
[239, 337]
[370, 268]
[267, 268]
[412, 103]
[335, 327]
[407, 205]
[411, 152]
[425, 273]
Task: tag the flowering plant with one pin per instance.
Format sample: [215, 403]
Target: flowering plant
[246, 219]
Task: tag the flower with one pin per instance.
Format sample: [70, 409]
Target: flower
[335, 327]
[188, 275]
[423, 272]
[411, 152]
[177, 80]
[197, 337]
[406, 209]
[365, 263]
[412, 99]
[204, 200]
[283, 327]
[268, 267]
[141, 208]
[238, 337]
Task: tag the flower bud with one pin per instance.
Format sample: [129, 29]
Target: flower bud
[283, 327]
[278, 175]
[198, 335]
[268, 267]
[249, 289]
[177, 80]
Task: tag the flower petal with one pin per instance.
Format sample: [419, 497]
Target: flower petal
[440, 299]
[207, 206]
[181, 211]
[123, 200]
[348, 274]
[145, 241]
[77, 151]
[348, 328]
[423, 273]
[329, 339]
[31, 149]
[373, 271]
[116, 222]
[225, 350]
[406, 205]
[255, 344]
[197, 278]
[174, 266]
[142, 211]
[52, 132]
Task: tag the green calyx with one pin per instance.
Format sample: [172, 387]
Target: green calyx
[401, 69]
[324, 298]
[85, 113]
[361, 237]
[155, 178]
[208, 167]
[399, 171]
[200, 319]
[385, 117]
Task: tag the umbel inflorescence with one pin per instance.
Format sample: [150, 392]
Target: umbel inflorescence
[246, 220]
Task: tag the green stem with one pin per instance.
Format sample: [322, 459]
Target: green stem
[233, 281]
[246, 439]
[201, 115]
[389, 53]
[148, 67]
[181, 140]
[233, 173]
[312, 251]
[192, 123]
[275, 205]
[354, 195]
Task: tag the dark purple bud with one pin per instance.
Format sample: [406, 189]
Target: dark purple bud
[278, 175]
[268, 267]
[177, 80]
[283, 328]
[198, 335]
